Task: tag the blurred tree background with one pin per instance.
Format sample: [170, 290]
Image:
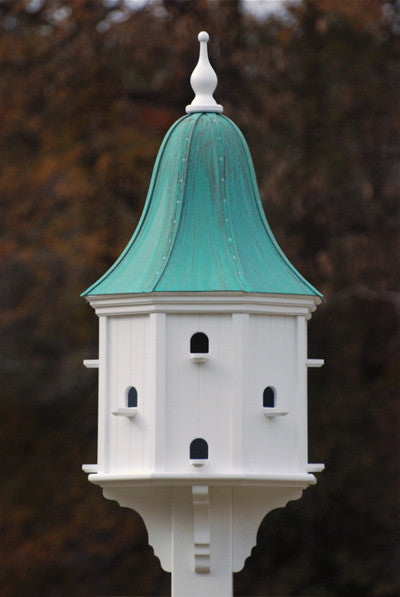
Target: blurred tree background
[88, 89]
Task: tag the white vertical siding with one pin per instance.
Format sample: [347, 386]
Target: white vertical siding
[301, 395]
[270, 443]
[104, 394]
[242, 357]
[220, 400]
[156, 392]
[127, 348]
[199, 396]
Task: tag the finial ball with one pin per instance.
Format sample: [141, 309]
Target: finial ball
[203, 36]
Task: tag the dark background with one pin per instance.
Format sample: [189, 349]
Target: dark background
[87, 91]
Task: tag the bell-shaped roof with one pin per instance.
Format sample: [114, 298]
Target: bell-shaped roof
[203, 227]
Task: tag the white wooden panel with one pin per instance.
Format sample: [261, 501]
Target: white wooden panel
[154, 366]
[219, 400]
[214, 396]
[103, 441]
[174, 359]
[138, 427]
[112, 375]
[198, 396]
[301, 392]
[126, 368]
[121, 380]
[241, 387]
[183, 382]
[271, 444]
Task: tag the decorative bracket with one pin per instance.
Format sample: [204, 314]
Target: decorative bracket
[201, 516]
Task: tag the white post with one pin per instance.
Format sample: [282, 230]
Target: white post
[201, 542]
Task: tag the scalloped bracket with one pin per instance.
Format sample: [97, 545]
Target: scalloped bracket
[200, 515]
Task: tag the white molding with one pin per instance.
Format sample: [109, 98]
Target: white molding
[216, 302]
[201, 539]
[200, 108]
[91, 363]
[175, 479]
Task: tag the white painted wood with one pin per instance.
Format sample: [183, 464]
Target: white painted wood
[89, 468]
[120, 380]
[105, 355]
[186, 582]
[268, 443]
[126, 412]
[314, 362]
[249, 506]
[198, 398]
[241, 374]
[192, 478]
[198, 461]
[91, 363]
[207, 302]
[272, 412]
[155, 507]
[199, 357]
[181, 528]
[301, 393]
[156, 384]
[214, 393]
[203, 81]
[126, 357]
[203, 514]
[315, 467]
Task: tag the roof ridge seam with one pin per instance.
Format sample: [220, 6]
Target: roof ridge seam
[237, 264]
[170, 250]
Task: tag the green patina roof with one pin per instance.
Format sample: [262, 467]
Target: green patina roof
[203, 227]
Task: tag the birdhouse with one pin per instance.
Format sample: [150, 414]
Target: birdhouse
[202, 425]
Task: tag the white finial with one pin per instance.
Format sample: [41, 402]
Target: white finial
[203, 81]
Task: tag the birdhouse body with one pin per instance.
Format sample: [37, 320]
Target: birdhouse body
[203, 357]
[245, 396]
